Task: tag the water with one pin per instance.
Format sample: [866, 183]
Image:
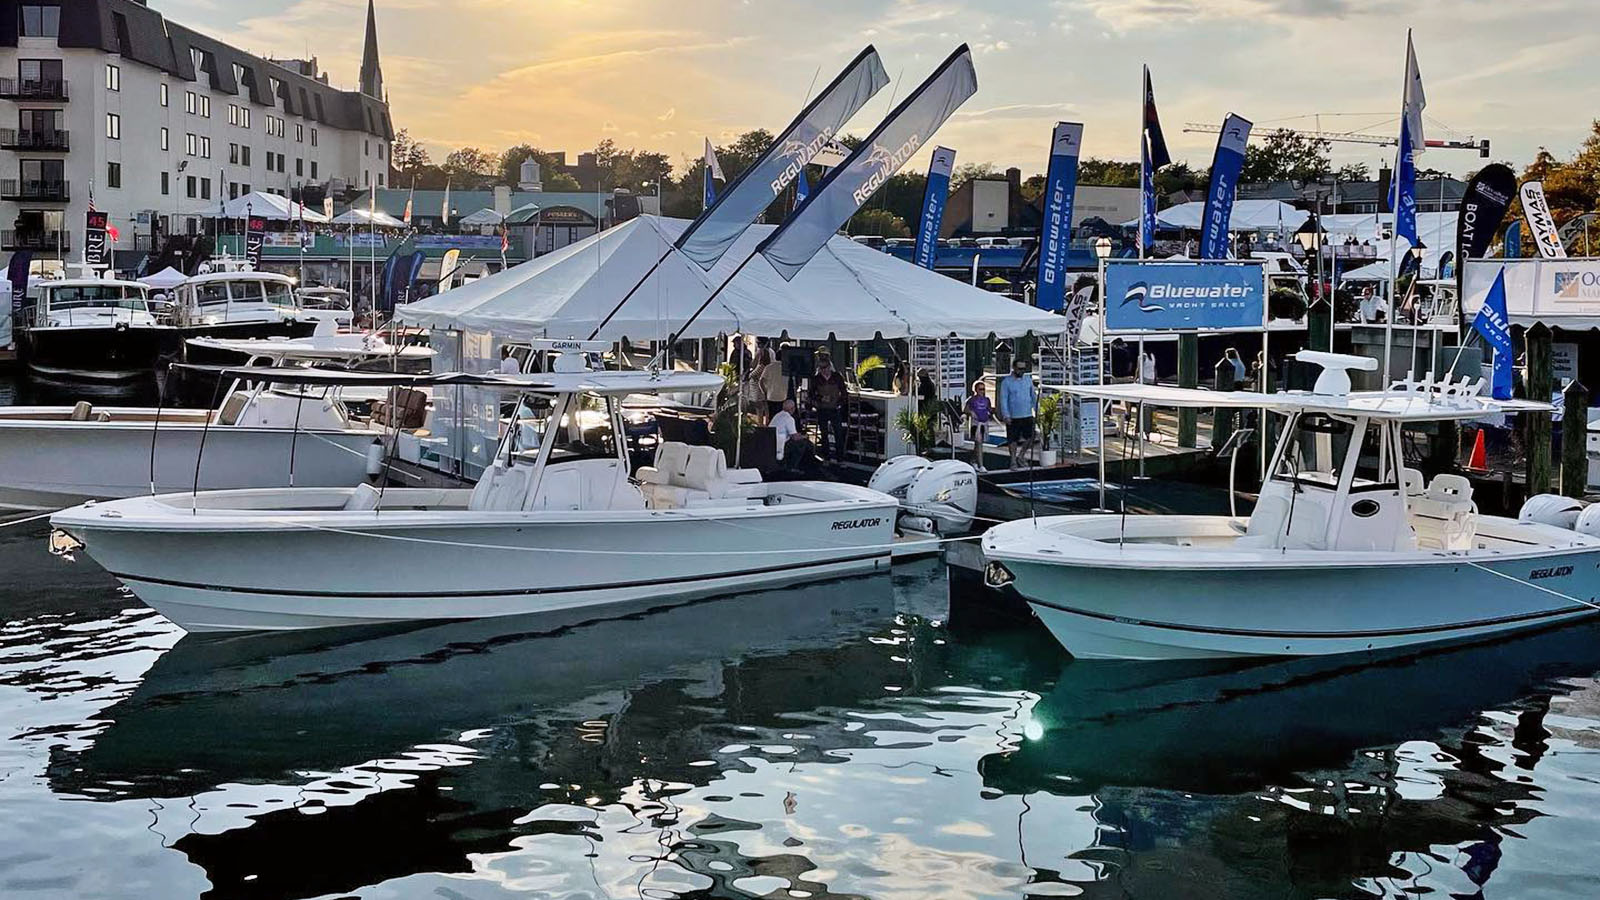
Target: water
[856, 738]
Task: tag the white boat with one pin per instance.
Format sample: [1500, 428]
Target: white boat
[554, 523]
[327, 304]
[1347, 550]
[55, 456]
[94, 330]
[238, 304]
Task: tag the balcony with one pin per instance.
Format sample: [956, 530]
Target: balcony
[45, 89]
[37, 239]
[39, 190]
[50, 141]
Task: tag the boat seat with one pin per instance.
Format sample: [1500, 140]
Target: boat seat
[1411, 480]
[232, 408]
[365, 497]
[1444, 517]
[586, 484]
[501, 489]
[82, 410]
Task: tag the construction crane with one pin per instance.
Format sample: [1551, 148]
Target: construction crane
[1351, 137]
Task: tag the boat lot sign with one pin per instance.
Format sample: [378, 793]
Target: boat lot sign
[1547, 290]
[1184, 295]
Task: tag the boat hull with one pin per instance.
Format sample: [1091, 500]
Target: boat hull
[366, 567]
[52, 464]
[106, 355]
[1132, 613]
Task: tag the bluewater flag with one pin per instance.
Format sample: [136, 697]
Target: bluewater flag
[885, 150]
[933, 200]
[1153, 155]
[713, 174]
[1404, 194]
[1495, 327]
[708, 237]
[1055, 228]
[1226, 166]
[1514, 240]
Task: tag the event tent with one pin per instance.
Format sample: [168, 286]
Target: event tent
[269, 206]
[1248, 215]
[848, 291]
[164, 279]
[357, 216]
[482, 217]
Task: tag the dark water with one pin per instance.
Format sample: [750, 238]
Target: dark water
[854, 738]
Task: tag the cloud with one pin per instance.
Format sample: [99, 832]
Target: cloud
[667, 116]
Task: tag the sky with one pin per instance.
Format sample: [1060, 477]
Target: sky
[665, 74]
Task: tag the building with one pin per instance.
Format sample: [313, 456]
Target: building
[995, 206]
[158, 124]
[1434, 194]
[543, 220]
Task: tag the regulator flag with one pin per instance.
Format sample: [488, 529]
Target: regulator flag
[1495, 327]
[853, 181]
[1536, 209]
[713, 174]
[1225, 168]
[1152, 156]
[933, 200]
[709, 237]
[1483, 207]
[1055, 231]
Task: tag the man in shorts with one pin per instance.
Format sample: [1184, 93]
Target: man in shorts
[1019, 403]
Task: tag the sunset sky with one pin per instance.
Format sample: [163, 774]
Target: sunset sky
[564, 74]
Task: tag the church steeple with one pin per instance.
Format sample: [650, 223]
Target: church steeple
[371, 72]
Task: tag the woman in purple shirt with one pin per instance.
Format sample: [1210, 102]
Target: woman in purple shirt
[980, 410]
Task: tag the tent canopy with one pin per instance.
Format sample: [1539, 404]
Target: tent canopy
[849, 291]
[1248, 215]
[268, 206]
[357, 216]
[483, 216]
[166, 278]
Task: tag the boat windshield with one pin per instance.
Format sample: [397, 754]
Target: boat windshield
[1317, 450]
[101, 296]
[321, 300]
[279, 293]
[211, 292]
[582, 433]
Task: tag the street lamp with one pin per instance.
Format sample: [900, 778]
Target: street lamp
[1102, 248]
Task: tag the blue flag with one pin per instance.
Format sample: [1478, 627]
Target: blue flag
[853, 181]
[1226, 166]
[933, 200]
[1055, 231]
[1514, 240]
[713, 174]
[710, 236]
[1495, 326]
[802, 188]
[1152, 156]
[1403, 196]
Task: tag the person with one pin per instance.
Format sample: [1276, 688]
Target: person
[1019, 402]
[979, 411]
[1369, 305]
[783, 426]
[1232, 356]
[927, 391]
[774, 385]
[829, 396]
[1147, 368]
[508, 363]
[1122, 364]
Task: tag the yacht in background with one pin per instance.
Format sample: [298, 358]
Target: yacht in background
[238, 304]
[328, 304]
[96, 330]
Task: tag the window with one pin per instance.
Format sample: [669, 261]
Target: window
[244, 117]
[313, 169]
[299, 167]
[233, 114]
[205, 147]
[189, 186]
[274, 126]
[380, 149]
[238, 73]
[163, 93]
[276, 86]
[380, 179]
[205, 189]
[366, 179]
[244, 189]
[113, 78]
[40, 21]
[198, 57]
[233, 190]
[113, 175]
[299, 133]
[189, 101]
[366, 148]
[191, 143]
[244, 154]
[205, 107]
[166, 139]
[113, 126]
[233, 154]
[166, 183]
[314, 134]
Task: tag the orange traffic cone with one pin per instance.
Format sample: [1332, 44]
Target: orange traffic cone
[1479, 460]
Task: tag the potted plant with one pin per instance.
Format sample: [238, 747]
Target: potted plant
[918, 428]
[1049, 420]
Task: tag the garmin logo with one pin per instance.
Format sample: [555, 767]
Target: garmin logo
[798, 153]
[850, 524]
[1552, 572]
[887, 163]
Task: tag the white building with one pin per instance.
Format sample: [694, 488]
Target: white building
[161, 124]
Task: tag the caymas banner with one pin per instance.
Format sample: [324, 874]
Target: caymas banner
[1164, 295]
[1225, 168]
[933, 200]
[1055, 231]
[1540, 222]
[710, 235]
[1483, 206]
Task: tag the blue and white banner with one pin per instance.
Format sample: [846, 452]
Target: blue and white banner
[1514, 240]
[1403, 198]
[933, 200]
[713, 174]
[1148, 295]
[849, 184]
[1055, 229]
[743, 201]
[1495, 326]
[1225, 168]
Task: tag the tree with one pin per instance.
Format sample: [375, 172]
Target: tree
[880, 222]
[968, 171]
[1355, 172]
[406, 157]
[1032, 187]
[550, 171]
[471, 167]
[1286, 155]
[1108, 172]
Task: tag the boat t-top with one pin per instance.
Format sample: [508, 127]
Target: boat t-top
[94, 329]
[1347, 549]
[556, 521]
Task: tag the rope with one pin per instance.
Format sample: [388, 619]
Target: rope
[26, 519]
[1551, 592]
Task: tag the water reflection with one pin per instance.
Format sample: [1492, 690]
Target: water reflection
[833, 740]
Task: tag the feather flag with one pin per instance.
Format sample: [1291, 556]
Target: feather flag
[1153, 155]
[713, 174]
[1412, 142]
[444, 207]
[1495, 326]
[405, 217]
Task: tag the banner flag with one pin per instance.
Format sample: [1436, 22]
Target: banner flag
[1495, 326]
[849, 185]
[1226, 166]
[933, 200]
[1541, 224]
[1055, 227]
[1483, 207]
[327, 207]
[1514, 241]
[1152, 156]
[405, 218]
[802, 190]
[1403, 197]
[713, 174]
[447, 268]
[17, 274]
[94, 237]
[255, 237]
[444, 206]
[708, 237]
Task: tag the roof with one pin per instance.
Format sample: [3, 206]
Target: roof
[849, 291]
[238, 276]
[427, 204]
[1393, 405]
[1248, 215]
[609, 383]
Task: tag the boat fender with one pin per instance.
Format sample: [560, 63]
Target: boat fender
[375, 459]
[921, 525]
[1552, 509]
[1589, 521]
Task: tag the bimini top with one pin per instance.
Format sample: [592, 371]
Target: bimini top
[603, 383]
[335, 347]
[1407, 401]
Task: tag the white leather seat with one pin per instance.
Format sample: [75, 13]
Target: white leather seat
[687, 475]
[1445, 516]
[1411, 480]
[501, 489]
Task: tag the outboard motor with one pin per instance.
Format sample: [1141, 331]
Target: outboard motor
[894, 476]
[1589, 521]
[1551, 509]
[935, 497]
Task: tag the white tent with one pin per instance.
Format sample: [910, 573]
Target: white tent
[357, 216]
[1248, 215]
[164, 279]
[269, 206]
[482, 217]
[849, 291]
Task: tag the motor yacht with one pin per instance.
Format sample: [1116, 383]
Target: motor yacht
[98, 330]
[1348, 549]
[328, 304]
[238, 304]
[555, 522]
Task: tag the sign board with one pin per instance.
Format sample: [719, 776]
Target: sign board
[1564, 362]
[489, 243]
[1188, 295]
[254, 240]
[293, 240]
[94, 237]
[1547, 290]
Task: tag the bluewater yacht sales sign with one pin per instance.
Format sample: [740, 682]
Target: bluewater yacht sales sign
[1161, 295]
